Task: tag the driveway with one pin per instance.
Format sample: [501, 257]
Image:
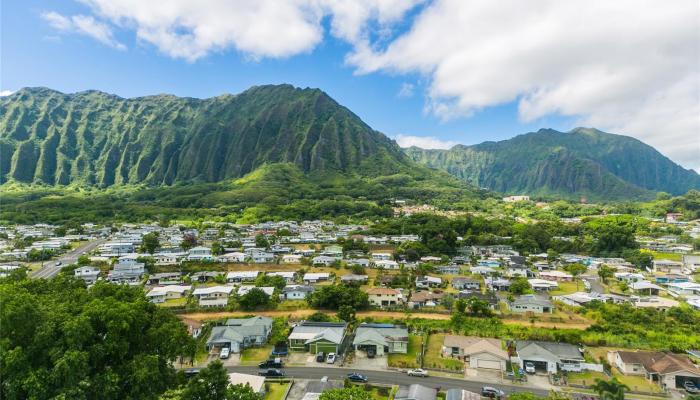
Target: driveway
[303, 359]
[362, 362]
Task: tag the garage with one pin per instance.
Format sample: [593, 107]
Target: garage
[682, 379]
[488, 364]
[540, 366]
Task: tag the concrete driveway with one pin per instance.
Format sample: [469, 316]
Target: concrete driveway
[361, 362]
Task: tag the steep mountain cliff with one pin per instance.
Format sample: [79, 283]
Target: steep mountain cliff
[93, 138]
[580, 163]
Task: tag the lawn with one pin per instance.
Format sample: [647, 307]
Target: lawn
[376, 392]
[254, 355]
[182, 301]
[433, 355]
[586, 378]
[566, 288]
[667, 256]
[410, 359]
[275, 391]
[637, 383]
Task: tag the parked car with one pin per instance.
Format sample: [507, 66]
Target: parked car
[530, 368]
[355, 377]
[191, 372]
[271, 373]
[320, 356]
[371, 353]
[58, 264]
[418, 372]
[690, 387]
[271, 363]
[331, 358]
[492, 392]
[225, 352]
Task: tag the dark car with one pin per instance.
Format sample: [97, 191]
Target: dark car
[320, 356]
[690, 387]
[271, 373]
[355, 377]
[492, 392]
[190, 372]
[271, 363]
[371, 353]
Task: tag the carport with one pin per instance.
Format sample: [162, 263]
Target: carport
[540, 366]
[681, 379]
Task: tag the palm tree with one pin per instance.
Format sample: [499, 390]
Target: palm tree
[610, 390]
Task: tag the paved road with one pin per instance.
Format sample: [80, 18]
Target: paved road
[595, 284]
[393, 378]
[50, 269]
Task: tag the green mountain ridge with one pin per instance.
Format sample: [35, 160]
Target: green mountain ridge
[94, 138]
[584, 162]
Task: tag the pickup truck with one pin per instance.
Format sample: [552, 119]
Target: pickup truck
[271, 363]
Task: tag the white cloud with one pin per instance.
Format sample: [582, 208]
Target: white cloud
[424, 142]
[406, 90]
[4, 93]
[85, 25]
[625, 66]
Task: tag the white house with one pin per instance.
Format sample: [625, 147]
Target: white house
[199, 253]
[160, 294]
[88, 274]
[233, 257]
[314, 277]
[382, 256]
[213, 296]
[244, 289]
[291, 258]
[287, 275]
[241, 276]
[386, 264]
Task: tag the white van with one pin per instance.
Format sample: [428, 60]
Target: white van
[225, 352]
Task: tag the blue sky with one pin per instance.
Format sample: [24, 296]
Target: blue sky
[460, 92]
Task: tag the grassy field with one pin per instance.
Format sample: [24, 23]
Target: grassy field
[637, 383]
[254, 355]
[666, 256]
[410, 359]
[275, 391]
[566, 288]
[433, 355]
[586, 378]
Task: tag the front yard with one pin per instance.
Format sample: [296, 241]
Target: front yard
[634, 382]
[275, 391]
[566, 288]
[410, 359]
[255, 355]
[433, 355]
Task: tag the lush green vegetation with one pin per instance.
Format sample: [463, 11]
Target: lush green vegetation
[581, 163]
[61, 340]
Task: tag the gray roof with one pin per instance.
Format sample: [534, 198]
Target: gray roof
[460, 394]
[298, 288]
[380, 333]
[531, 299]
[236, 330]
[556, 349]
[416, 392]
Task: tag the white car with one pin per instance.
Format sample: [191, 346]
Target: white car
[529, 368]
[418, 372]
[225, 352]
[330, 359]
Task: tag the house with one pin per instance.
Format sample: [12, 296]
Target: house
[200, 253]
[241, 276]
[667, 369]
[667, 267]
[361, 262]
[256, 382]
[489, 297]
[451, 269]
[691, 261]
[671, 278]
[478, 352]
[645, 287]
[416, 392]
[288, 276]
[462, 283]
[354, 278]
[531, 303]
[126, 272]
[244, 289]
[550, 357]
[318, 336]
[296, 292]
[684, 288]
[498, 284]
[517, 270]
[88, 274]
[233, 257]
[315, 277]
[628, 276]
[160, 294]
[326, 261]
[164, 278]
[384, 297]
[204, 276]
[430, 259]
[424, 282]
[292, 258]
[656, 302]
[386, 264]
[213, 296]
[481, 270]
[424, 299]
[382, 256]
[166, 259]
[542, 285]
[381, 338]
[314, 388]
[240, 333]
[555, 275]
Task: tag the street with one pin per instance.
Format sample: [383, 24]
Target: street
[392, 378]
[51, 269]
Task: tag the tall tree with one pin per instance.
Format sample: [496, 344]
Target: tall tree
[610, 390]
[150, 242]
